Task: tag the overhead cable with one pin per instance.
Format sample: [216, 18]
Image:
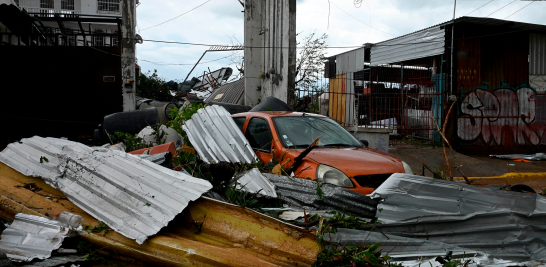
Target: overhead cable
[501, 8]
[520, 9]
[177, 16]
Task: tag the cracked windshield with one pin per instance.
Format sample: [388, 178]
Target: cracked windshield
[300, 132]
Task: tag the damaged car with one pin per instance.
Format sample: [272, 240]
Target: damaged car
[338, 158]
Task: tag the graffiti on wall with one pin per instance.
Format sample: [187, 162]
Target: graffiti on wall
[501, 115]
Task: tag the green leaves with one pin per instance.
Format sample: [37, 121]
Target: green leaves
[43, 159]
[131, 142]
[101, 227]
[354, 256]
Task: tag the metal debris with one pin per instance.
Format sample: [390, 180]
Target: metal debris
[253, 181]
[532, 157]
[156, 158]
[216, 137]
[57, 261]
[409, 196]
[302, 194]
[32, 237]
[412, 252]
[133, 196]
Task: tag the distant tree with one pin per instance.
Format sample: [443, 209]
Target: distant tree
[152, 86]
[310, 60]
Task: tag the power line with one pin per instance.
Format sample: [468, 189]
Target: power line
[501, 8]
[177, 16]
[182, 64]
[479, 7]
[520, 9]
[361, 21]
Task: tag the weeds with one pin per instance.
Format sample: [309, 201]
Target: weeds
[101, 227]
[354, 256]
[131, 142]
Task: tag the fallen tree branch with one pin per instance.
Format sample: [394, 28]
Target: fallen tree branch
[298, 160]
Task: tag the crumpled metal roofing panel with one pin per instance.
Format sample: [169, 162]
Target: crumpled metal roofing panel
[216, 137]
[505, 235]
[32, 237]
[302, 193]
[133, 196]
[231, 93]
[412, 252]
[253, 181]
[57, 261]
[425, 43]
[408, 196]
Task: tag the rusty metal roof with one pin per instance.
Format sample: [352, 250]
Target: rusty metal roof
[133, 196]
[216, 137]
[32, 237]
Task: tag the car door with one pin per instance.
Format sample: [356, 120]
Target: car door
[258, 133]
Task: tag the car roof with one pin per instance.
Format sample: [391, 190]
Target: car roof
[272, 114]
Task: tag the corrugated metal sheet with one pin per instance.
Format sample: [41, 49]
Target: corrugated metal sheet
[414, 252]
[253, 181]
[133, 196]
[57, 261]
[505, 235]
[231, 93]
[216, 137]
[302, 193]
[424, 43]
[351, 61]
[32, 237]
[537, 54]
[410, 196]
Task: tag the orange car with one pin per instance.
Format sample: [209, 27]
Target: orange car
[339, 158]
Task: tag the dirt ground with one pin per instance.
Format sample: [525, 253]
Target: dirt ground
[472, 166]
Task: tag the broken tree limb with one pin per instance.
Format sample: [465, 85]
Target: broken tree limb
[298, 160]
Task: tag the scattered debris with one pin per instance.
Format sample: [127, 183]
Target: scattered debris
[63, 260]
[254, 182]
[216, 137]
[160, 136]
[111, 185]
[522, 157]
[32, 237]
[409, 196]
[302, 194]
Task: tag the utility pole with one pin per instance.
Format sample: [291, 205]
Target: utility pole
[128, 54]
[452, 37]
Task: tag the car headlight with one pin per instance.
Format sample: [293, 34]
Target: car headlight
[407, 168]
[331, 175]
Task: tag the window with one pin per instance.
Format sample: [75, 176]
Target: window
[240, 121]
[67, 4]
[46, 3]
[108, 5]
[259, 135]
[98, 38]
[300, 132]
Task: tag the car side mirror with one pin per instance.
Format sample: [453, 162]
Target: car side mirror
[365, 143]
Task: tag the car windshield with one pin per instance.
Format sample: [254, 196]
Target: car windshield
[300, 132]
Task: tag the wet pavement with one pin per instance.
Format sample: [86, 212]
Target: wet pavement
[472, 166]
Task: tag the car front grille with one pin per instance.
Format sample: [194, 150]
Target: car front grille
[373, 181]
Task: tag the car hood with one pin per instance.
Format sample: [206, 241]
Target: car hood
[357, 161]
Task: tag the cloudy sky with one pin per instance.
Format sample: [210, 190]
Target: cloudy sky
[346, 22]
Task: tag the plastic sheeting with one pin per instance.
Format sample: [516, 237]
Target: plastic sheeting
[302, 193]
[408, 196]
[32, 237]
[533, 157]
[133, 196]
[57, 261]
[253, 181]
[216, 137]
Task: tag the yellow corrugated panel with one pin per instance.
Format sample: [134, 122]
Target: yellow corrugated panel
[230, 235]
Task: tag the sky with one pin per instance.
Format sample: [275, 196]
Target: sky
[347, 23]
